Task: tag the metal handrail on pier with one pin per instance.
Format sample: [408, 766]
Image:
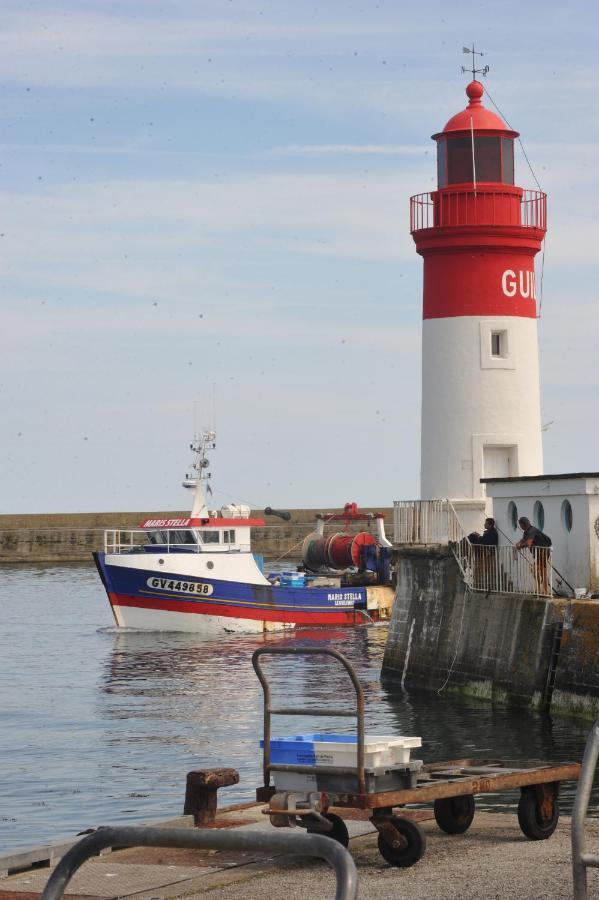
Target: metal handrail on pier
[207, 839]
[581, 860]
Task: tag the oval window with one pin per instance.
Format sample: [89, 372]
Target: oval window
[209, 564]
[567, 515]
[512, 515]
[539, 515]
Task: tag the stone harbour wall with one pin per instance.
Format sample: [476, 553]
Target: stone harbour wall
[72, 537]
[576, 688]
[508, 648]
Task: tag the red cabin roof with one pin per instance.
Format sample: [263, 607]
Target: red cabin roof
[201, 523]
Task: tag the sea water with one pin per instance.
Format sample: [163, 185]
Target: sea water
[100, 727]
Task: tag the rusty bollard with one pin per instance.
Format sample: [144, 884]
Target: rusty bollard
[200, 792]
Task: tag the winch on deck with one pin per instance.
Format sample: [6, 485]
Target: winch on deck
[363, 550]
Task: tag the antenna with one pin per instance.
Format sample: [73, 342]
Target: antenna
[474, 70]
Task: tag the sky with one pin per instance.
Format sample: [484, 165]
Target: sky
[205, 221]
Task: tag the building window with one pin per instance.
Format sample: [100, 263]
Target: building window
[539, 515]
[567, 515]
[512, 515]
[499, 344]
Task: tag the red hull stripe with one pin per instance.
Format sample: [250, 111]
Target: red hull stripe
[341, 617]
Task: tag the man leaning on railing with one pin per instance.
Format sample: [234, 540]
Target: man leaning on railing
[539, 544]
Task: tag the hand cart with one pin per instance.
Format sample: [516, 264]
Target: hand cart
[450, 786]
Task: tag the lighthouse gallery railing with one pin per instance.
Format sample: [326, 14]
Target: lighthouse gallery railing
[481, 207]
[503, 569]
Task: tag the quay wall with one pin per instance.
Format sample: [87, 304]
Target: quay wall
[508, 648]
[72, 537]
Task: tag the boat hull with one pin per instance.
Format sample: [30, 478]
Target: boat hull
[142, 598]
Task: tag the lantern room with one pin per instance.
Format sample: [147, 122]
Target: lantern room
[475, 146]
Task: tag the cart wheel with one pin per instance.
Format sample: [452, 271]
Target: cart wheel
[454, 815]
[534, 823]
[338, 832]
[408, 854]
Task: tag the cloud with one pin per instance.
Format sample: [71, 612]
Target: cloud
[145, 239]
[349, 150]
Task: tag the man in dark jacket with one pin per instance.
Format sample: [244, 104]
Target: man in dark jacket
[484, 557]
[538, 543]
[489, 537]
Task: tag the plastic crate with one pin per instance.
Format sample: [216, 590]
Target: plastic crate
[377, 780]
[341, 750]
[292, 579]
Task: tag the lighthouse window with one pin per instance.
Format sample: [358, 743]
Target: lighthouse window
[442, 164]
[487, 155]
[507, 159]
[459, 160]
[499, 343]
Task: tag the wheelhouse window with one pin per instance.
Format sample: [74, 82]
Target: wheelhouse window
[210, 537]
[181, 537]
[229, 536]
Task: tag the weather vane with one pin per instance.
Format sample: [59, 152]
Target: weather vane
[474, 70]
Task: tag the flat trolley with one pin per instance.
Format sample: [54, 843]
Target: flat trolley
[451, 786]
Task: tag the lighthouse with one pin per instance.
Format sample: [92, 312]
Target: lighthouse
[478, 235]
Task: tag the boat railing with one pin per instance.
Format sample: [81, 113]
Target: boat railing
[135, 540]
[124, 541]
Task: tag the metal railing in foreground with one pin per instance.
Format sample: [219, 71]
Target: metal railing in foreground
[207, 839]
[581, 860]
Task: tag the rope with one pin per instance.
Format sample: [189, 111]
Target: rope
[537, 184]
[288, 551]
[457, 646]
[519, 138]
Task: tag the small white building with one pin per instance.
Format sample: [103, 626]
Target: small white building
[565, 507]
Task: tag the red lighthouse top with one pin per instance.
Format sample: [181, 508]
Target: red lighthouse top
[475, 145]
[476, 117]
[478, 232]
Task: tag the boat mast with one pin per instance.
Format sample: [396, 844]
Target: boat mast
[197, 479]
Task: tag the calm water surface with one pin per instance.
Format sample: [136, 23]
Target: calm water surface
[100, 727]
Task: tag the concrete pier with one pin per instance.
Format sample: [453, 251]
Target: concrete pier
[516, 649]
[492, 860]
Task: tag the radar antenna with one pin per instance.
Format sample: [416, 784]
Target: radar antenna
[474, 70]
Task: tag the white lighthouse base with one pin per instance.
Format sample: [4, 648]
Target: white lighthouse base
[472, 513]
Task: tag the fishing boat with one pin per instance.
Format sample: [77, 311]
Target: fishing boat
[198, 573]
